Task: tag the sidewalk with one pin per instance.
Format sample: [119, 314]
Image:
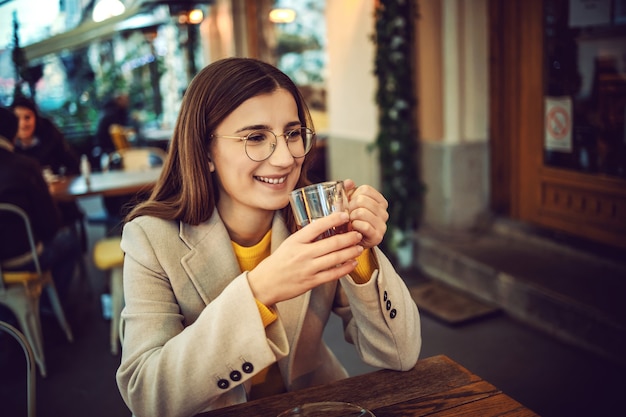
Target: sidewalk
[568, 291]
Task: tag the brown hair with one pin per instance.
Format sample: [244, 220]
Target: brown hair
[186, 190]
[8, 124]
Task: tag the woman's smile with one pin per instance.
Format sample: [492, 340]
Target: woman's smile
[272, 180]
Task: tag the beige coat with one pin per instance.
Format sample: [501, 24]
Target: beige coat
[193, 336]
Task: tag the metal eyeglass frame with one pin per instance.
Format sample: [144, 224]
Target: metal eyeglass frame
[273, 145]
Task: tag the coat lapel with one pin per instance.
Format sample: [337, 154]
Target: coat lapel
[211, 263]
[292, 312]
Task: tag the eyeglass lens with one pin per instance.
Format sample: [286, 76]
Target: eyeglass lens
[260, 144]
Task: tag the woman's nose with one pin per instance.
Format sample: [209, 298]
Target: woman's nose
[282, 155]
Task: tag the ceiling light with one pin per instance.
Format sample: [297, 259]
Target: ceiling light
[282, 15]
[195, 16]
[106, 9]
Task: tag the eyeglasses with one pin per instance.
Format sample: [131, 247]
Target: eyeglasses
[260, 144]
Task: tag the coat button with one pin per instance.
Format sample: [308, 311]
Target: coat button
[393, 313]
[223, 384]
[235, 376]
[385, 296]
[388, 305]
[247, 367]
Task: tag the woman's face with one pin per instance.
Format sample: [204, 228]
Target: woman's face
[246, 186]
[27, 121]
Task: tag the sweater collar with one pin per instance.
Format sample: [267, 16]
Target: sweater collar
[24, 146]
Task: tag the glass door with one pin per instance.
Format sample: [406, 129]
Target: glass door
[585, 86]
[558, 92]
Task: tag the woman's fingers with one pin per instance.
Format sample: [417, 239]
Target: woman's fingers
[368, 214]
[366, 193]
[317, 227]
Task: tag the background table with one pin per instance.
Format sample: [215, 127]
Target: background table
[435, 387]
[107, 184]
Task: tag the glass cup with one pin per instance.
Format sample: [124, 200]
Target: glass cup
[48, 174]
[320, 200]
[105, 162]
[327, 409]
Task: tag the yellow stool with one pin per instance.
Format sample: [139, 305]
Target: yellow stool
[108, 256]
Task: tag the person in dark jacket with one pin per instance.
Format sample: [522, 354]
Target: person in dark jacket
[115, 112]
[22, 184]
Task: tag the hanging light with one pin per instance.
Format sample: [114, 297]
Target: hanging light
[282, 15]
[106, 9]
[195, 16]
[186, 13]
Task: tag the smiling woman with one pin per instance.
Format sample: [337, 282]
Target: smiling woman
[214, 261]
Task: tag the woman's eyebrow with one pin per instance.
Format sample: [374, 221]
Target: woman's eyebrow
[252, 127]
[295, 123]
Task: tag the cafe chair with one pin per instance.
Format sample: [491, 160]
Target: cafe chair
[119, 137]
[30, 365]
[108, 256]
[21, 291]
[138, 159]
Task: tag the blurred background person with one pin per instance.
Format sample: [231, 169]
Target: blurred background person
[22, 184]
[38, 138]
[116, 111]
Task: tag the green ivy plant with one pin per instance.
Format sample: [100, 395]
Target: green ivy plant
[397, 139]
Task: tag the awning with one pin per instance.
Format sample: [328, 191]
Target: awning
[90, 31]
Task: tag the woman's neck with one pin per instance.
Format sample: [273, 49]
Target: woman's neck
[26, 142]
[247, 229]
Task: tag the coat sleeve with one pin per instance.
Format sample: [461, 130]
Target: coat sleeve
[381, 318]
[171, 366]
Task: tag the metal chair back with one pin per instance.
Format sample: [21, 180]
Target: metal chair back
[30, 365]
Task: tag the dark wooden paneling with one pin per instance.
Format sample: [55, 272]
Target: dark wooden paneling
[585, 205]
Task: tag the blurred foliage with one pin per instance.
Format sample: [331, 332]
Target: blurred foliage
[397, 139]
[295, 43]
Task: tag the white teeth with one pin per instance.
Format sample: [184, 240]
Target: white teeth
[272, 180]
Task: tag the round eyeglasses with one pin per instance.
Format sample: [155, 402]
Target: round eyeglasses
[260, 144]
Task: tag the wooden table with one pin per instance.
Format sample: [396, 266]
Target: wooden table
[436, 387]
[107, 184]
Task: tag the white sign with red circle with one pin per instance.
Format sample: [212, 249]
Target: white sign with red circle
[558, 124]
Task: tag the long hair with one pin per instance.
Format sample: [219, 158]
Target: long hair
[187, 190]
[8, 124]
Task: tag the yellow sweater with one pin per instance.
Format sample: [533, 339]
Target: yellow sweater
[269, 381]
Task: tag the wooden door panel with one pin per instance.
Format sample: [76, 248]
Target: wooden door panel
[592, 206]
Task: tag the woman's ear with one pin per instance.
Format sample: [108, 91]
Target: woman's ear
[211, 164]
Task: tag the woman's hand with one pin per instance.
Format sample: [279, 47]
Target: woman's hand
[368, 213]
[303, 262]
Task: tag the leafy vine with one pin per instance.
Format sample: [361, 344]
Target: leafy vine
[397, 139]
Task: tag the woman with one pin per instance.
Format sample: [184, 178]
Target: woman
[225, 300]
[22, 184]
[39, 138]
